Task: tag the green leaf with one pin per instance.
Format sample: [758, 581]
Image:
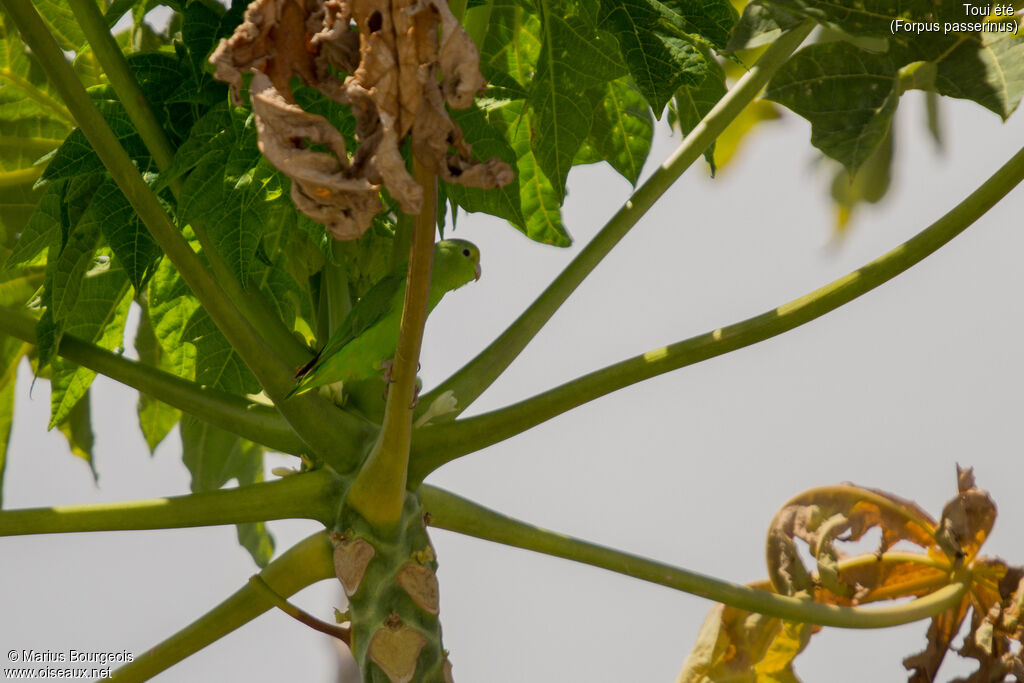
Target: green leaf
[117, 9]
[622, 130]
[485, 131]
[43, 227]
[73, 262]
[124, 231]
[33, 122]
[98, 317]
[847, 94]
[509, 57]
[510, 51]
[987, 68]
[77, 429]
[158, 75]
[236, 194]
[76, 157]
[209, 137]
[661, 41]
[156, 419]
[214, 457]
[69, 257]
[170, 306]
[692, 103]
[869, 185]
[540, 202]
[24, 90]
[210, 453]
[760, 24]
[874, 17]
[217, 363]
[253, 536]
[17, 286]
[200, 28]
[283, 293]
[11, 352]
[984, 66]
[61, 22]
[574, 57]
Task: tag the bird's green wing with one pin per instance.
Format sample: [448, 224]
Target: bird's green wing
[375, 304]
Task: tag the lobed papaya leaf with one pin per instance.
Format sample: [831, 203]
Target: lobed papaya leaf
[887, 47]
[11, 352]
[156, 419]
[662, 42]
[214, 457]
[622, 129]
[558, 95]
[253, 536]
[77, 429]
[98, 317]
[33, 122]
[868, 185]
[759, 24]
[847, 94]
[692, 103]
[485, 131]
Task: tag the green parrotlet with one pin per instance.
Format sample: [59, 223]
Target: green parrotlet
[368, 337]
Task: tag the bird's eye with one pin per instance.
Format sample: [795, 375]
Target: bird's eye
[465, 252]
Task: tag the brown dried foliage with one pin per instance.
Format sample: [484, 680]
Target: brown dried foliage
[735, 645]
[392, 52]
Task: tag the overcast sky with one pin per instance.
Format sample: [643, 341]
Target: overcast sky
[890, 392]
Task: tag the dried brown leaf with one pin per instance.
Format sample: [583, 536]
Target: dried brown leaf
[823, 516]
[995, 638]
[967, 519]
[925, 665]
[391, 51]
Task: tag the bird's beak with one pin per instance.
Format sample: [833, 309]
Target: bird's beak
[476, 272]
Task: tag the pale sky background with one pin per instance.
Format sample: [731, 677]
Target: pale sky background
[890, 392]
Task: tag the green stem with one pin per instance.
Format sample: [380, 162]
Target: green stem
[253, 421]
[299, 496]
[473, 379]
[467, 436]
[335, 288]
[304, 564]
[448, 511]
[330, 433]
[404, 227]
[110, 57]
[378, 492]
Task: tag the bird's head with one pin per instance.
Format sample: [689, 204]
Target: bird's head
[457, 262]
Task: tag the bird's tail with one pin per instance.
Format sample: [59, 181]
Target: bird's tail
[301, 374]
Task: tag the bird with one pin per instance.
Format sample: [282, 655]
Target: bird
[365, 342]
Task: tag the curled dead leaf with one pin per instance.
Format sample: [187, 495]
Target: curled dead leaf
[735, 645]
[392, 52]
[823, 516]
[967, 519]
